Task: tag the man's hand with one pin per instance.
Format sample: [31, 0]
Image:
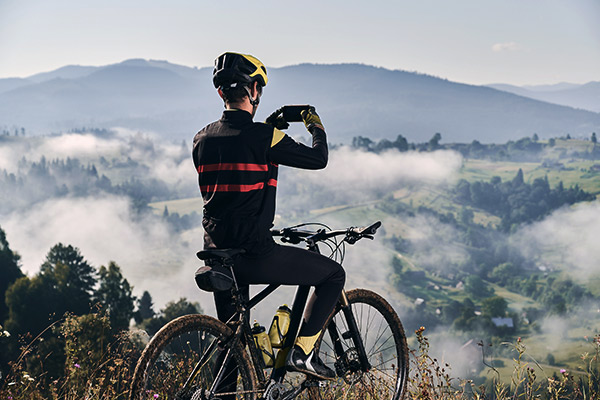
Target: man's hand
[276, 120]
[311, 119]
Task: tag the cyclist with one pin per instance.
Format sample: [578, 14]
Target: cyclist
[237, 161]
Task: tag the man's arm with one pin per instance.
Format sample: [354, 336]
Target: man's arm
[286, 151]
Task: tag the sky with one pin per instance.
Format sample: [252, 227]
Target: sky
[521, 42]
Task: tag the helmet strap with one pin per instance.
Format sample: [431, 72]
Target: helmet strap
[253, 101]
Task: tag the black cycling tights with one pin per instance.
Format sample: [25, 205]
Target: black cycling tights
[287, 265]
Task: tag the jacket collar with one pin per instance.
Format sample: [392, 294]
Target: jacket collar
[236, 116]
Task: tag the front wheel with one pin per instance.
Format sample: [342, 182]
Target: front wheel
[185, 361]
[385, 346]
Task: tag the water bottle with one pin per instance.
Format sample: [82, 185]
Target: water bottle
[263, 343]
[279, 326]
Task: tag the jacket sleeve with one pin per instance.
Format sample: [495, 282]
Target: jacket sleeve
[286, 151]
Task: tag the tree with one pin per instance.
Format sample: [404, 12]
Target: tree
[476, 286]
[64, 284]
[401, 143]
[360, 142]
[434, 142]
[495, 306]
[504, 273]
[518, 180]
[32, 306]
[114, 295]
[73, 277]
[10, 271]
[594, 140]
[145, 310]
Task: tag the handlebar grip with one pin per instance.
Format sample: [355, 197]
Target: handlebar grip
[371, 229]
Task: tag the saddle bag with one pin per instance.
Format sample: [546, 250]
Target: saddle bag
[214, 278]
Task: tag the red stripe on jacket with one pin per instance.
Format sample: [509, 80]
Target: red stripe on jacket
[236, 188]
[232, 167]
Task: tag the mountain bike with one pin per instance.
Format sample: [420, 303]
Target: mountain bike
[197, 357]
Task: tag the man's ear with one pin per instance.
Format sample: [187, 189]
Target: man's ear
[255, 89]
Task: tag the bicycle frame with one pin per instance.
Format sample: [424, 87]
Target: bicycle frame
[220, 364]
[241, 321]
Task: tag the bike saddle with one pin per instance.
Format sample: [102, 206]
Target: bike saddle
[223, 254]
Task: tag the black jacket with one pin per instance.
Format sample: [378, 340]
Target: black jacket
[237, 162]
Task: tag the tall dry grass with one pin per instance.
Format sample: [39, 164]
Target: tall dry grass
[99, 366]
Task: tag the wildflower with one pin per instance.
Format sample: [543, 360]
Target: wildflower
[156, 395]
[563, 371]
[77, 365]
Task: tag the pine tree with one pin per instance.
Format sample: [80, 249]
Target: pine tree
[145, 308]
[114, 295]
[72, 275]
[9, 272]
[518, 180]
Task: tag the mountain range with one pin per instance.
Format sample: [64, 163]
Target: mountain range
[352, 99]
[586, 96]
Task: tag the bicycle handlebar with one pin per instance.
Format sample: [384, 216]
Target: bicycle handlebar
[352, 234]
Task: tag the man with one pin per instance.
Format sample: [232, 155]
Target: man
[237, 162]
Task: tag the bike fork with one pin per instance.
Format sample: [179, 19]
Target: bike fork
[352, 333]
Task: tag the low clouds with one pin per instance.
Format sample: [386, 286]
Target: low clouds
[433, 243]
[365, 169]
[351, 170]
[151, 256]
[103, 226]
[353, 176]
[506, 46]
[568, 237]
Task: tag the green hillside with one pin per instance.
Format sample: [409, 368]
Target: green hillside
[444, 295]
[497, 257]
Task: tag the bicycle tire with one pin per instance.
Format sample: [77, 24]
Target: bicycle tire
[385, 345]
[170, 356]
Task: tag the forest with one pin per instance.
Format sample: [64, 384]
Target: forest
[491, 290]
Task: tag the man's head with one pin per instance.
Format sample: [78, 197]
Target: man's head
[239, 78]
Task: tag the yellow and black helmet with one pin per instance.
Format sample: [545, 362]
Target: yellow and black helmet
[232, 69]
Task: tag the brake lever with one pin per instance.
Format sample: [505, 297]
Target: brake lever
[287, 239]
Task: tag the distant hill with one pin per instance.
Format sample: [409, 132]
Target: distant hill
[353, 100]
[12, 83]
[585, 97]
[67, 72]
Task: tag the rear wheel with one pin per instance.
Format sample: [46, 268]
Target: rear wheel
[184, 361]
[385, 345]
